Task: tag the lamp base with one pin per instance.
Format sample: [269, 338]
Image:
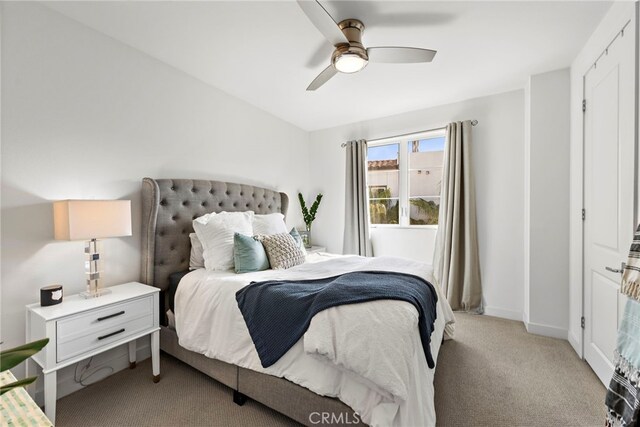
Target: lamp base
[96, 294]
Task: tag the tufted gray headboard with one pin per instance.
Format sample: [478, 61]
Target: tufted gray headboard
[170, 205]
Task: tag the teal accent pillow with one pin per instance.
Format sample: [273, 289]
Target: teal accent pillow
[249, 254]
[298, 238]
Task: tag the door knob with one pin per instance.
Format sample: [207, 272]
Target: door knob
[617, 270]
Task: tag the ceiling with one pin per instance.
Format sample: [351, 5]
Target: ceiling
[267, 52]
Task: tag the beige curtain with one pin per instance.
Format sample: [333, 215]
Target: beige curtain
[356, 220]
[455, 261]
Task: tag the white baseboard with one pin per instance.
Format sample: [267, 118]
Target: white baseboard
[117, 359]
[532, 328]
[546, 330]
[503, 313]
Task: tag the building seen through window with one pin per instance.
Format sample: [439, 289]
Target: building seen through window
[404, 187]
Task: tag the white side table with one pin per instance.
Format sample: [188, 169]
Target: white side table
[316, 249]
[79, 328]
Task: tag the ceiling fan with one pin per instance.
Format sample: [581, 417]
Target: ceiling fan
[350, 56]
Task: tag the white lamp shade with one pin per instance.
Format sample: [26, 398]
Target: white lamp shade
[91, 219]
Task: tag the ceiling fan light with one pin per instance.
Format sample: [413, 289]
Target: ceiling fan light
[349, 63]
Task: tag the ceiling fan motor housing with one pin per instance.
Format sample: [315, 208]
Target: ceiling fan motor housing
[352, 29]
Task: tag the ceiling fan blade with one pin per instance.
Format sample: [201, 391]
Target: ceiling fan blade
[323, 77]
[401, 55]
[319, 17]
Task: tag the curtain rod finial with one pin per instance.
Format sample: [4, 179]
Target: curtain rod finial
[474, 122]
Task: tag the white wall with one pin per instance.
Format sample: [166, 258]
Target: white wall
[84, 116]
[546, 204]
[527, 199]
[406, 242]
[498, 154]
[611, 24]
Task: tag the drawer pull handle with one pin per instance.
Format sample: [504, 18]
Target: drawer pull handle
[100, 319]
[111, 334]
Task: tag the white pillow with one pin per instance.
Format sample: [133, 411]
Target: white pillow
[196, 259]
[216, 236]
[206, 217]
[269, 224]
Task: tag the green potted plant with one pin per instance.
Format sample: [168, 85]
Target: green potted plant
[15, 356]
[308, 215]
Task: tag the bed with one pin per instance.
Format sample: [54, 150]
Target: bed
[293, 386]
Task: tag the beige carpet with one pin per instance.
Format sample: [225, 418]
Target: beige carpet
[496, 374]
[493, 374]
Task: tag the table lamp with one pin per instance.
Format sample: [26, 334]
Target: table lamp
[91, 220]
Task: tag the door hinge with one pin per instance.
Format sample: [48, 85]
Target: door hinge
[582, 322]
[584, 105]
[584, 214]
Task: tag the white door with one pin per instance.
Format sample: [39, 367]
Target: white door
[609, 196]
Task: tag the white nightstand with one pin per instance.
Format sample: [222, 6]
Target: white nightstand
[79, 328]
[316, 249]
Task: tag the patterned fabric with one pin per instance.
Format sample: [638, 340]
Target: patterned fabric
[623, 395]
[631, 275]
[621, 401]
[282, 250]
[17, 408]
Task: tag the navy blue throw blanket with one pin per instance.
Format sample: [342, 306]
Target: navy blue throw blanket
[279, 312]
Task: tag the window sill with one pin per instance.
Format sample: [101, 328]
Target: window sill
[409, 227]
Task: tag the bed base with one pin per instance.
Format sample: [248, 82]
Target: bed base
[279, 394]
[239, 398]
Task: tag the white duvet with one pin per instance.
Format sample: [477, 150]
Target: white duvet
[369, 355]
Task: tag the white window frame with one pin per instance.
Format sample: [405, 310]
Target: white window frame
[403, 179]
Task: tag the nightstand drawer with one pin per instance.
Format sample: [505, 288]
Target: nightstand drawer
[79, 334]
[103, 337]
[71, 327]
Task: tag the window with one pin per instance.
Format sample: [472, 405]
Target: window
[404, 178]
[383, 181]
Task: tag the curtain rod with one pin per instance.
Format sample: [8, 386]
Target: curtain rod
[344, 144]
